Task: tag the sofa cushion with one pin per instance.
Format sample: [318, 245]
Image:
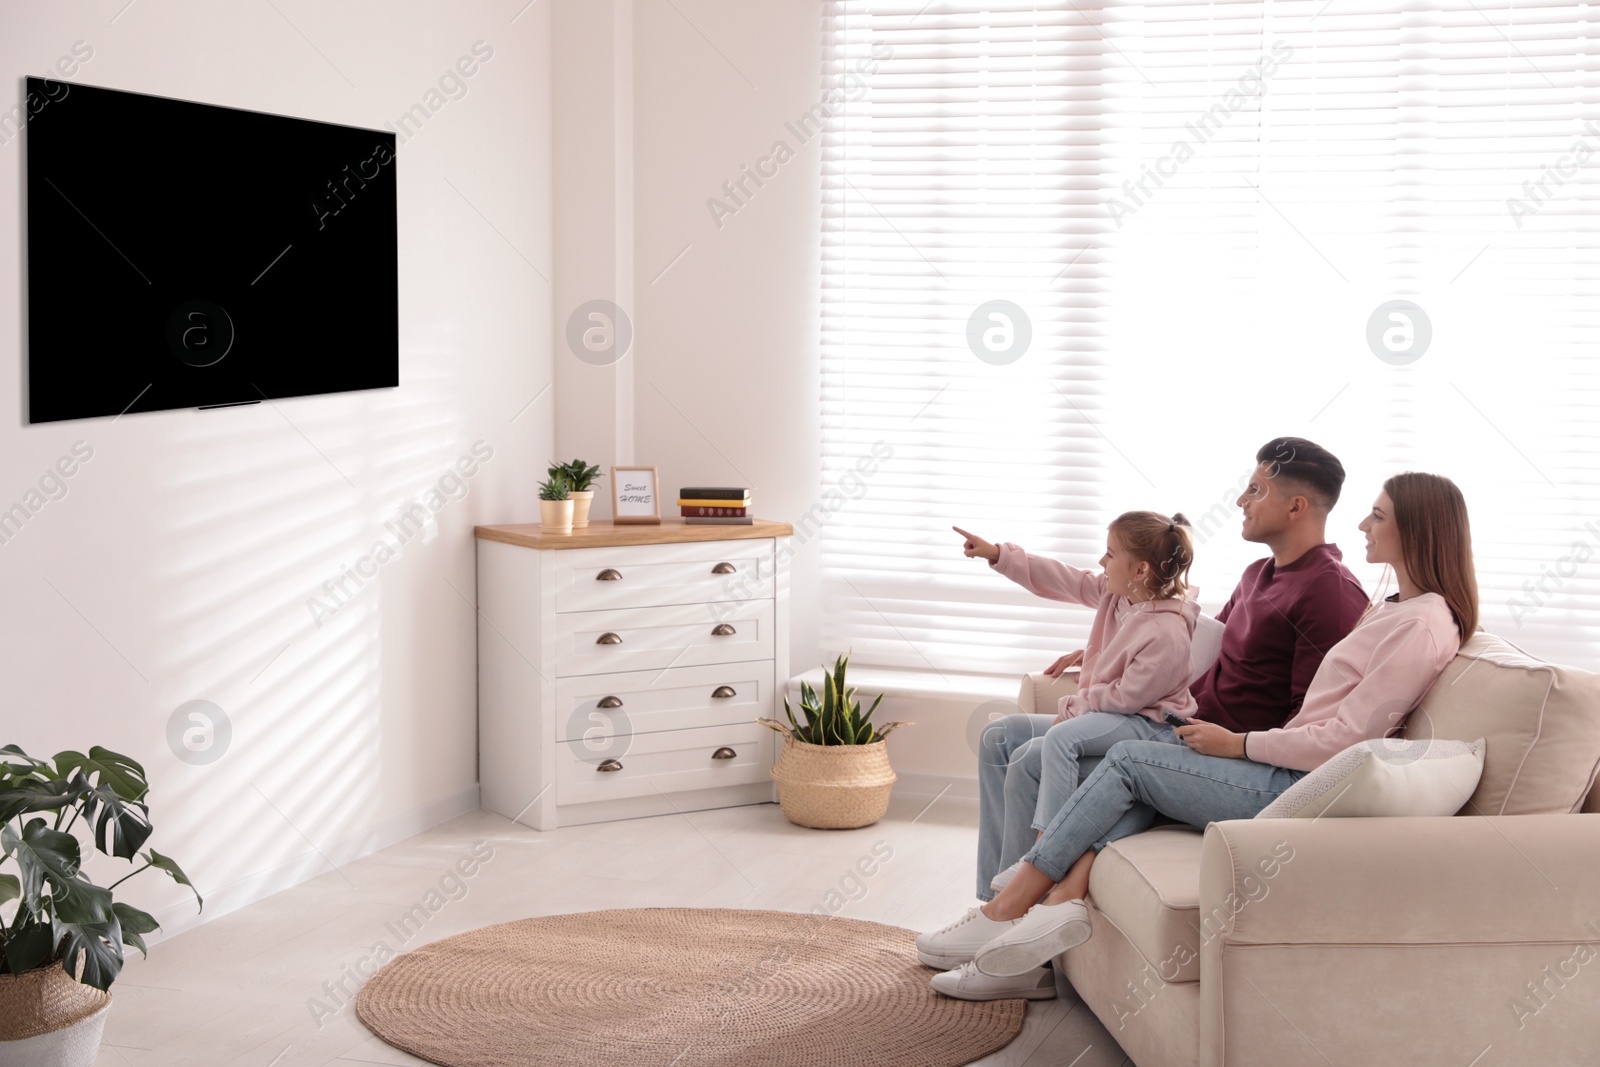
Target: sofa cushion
[1385, 778]
[1541, 722]
[1149, 885]
[1205, 647]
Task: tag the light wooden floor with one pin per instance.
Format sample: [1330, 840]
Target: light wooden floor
[242, 990]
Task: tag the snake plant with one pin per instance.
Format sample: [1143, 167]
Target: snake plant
[556, 487]
[835, 718]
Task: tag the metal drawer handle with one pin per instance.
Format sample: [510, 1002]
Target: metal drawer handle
[609, 702]
[609, 765]
[724, 753]
[724, 568]
[610, 574]
[722, 692]
[608, 638]
[722, 629]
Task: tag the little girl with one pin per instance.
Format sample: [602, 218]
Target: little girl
[1135, 671]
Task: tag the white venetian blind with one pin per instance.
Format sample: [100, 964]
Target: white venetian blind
[1195, 209]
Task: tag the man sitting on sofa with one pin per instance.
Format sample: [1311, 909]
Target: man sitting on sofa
[1286, 612]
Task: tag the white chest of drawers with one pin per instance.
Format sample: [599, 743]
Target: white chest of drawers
[621, 668]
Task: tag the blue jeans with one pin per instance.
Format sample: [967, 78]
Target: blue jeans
[1137, 780]
[1028, 765]
[1072, 751]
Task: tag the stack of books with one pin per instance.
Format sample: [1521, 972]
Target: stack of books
[715, 505]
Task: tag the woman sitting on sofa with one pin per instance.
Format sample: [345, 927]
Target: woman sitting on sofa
[1363, 690]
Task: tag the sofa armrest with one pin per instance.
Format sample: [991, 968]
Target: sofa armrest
[1353, 937]
[1040, 693]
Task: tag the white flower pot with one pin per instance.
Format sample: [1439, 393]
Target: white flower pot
[556, 515]
[581, 499]
[44, 998]
[77, 1045]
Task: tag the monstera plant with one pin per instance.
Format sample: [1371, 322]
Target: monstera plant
[60, 915]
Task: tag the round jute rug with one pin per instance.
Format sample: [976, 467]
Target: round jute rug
[685, 987]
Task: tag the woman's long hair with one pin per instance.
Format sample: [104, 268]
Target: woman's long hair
[1436, 542]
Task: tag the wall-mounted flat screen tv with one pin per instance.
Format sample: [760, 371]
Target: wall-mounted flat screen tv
[188, 255]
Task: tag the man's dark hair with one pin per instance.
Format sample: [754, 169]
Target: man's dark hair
[1308, 465]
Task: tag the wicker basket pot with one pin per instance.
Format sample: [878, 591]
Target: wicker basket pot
[49, 1020]
[833, 787]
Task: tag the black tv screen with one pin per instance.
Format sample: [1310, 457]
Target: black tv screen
[188, 255]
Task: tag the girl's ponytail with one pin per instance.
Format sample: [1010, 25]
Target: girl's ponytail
[1173, 571]
[1165, 543]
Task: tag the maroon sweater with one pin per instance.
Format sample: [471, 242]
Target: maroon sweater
[1279, 623]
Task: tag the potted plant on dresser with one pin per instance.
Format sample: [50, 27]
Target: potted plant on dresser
[61, 948]
[580, 478]
[833, 773]
[555, 504]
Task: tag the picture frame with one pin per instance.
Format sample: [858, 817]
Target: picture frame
[636, 499]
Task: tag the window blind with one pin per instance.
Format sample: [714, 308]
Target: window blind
[1200, 217]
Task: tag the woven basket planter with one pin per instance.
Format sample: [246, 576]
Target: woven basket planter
[49, 1020]
[833, 787]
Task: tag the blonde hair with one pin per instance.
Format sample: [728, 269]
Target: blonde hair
[1166, 544]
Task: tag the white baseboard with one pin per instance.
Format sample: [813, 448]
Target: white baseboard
[178, 918]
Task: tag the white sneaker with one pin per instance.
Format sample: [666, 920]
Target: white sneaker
[1003, 879]
[968, 983]
[953, 945]
[1036, 938]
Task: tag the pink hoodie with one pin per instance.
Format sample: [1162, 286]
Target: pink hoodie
[1367, 684]
[1137, 661]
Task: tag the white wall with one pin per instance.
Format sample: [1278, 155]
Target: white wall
[657, 105]
[179, 564]
[592, 110]
[726, 387]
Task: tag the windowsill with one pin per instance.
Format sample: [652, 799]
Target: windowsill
[936, 757]
[894, 682]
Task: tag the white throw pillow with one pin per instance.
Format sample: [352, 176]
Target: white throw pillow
[1205, 648]
[1386, 777]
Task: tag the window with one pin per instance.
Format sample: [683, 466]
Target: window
[1085, 258]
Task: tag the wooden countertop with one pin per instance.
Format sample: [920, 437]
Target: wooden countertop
[605, 534]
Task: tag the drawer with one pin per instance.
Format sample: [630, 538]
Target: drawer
[640, 576]
[642, 702]
[666, 762]
[604, 642]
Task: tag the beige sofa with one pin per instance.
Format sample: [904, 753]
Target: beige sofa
[1471, 941]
